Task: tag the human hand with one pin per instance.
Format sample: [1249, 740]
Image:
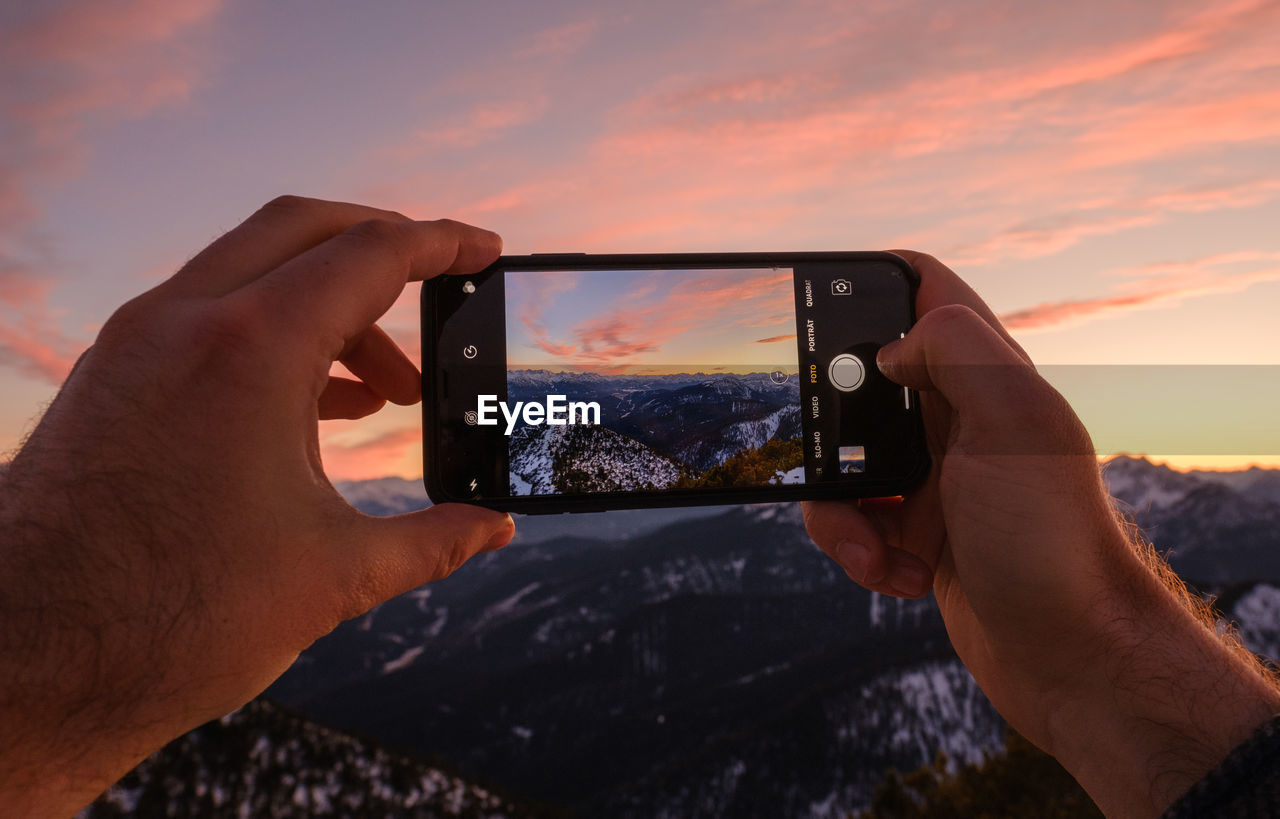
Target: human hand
[1070, 627]
[171, 542]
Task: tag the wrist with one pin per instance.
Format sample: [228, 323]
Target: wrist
[1169, 696]
[65, 696]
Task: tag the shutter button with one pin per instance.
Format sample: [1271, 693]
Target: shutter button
[846, 372]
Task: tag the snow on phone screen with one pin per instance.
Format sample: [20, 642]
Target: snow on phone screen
[651, 380]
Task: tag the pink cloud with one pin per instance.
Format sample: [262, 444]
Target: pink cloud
[32, 344]
[65, 64]
[1151, 132]
[1035, 240]
[482, 123]
[559, 41]
[550, 348]
[1020, 149]
[376, 457]
[82, 58]
[1050, 234]
[1191, 281]
[634, 328]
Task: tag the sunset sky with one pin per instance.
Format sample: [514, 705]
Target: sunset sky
[652, 321]
[1106, 174]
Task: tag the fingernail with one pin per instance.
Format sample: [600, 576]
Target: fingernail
[910, 581]
[885, 356]
[854, 557]
[501, 537]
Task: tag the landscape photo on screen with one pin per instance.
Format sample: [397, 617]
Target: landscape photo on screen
[694, 370]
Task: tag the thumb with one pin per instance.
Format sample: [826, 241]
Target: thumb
[400, 553]
[1001, 402]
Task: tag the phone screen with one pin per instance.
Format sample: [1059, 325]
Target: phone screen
[673, 379]
[676, 379]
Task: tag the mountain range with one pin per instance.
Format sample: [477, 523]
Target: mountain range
[661, 424]
[711, 661]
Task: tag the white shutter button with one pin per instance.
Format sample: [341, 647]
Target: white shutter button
[846, 372]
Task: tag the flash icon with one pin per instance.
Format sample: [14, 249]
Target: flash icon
[473, 484]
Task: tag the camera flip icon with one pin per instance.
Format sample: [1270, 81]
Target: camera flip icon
[841, 287]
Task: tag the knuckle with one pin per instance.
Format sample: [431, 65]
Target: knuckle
[383, 232]
[918, 259]
[236, 322]
[288, 203]
[129, 317]
[948, 318]
[450, 224]
[233, 333]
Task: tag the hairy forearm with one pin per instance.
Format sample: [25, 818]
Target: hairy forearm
[1173, 693]
[70, 692]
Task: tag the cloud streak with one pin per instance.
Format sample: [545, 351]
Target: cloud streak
[1020, 135]
[1167, 285]
[371, 457]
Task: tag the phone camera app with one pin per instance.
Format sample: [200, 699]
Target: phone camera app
[841, 287]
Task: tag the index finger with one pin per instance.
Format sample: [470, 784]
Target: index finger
[279, 230]
[940, 286]
[339, 288]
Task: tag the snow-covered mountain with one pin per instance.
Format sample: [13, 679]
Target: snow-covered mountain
[693, 419]
[579, 458]
[714, 645]
[690, 662]
[1215, 527]
[748, 675]
[384, 496]
[751, 433]
[265, 761]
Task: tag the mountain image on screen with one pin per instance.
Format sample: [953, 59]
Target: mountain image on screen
[675, 430]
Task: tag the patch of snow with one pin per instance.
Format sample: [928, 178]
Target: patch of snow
[403, 660]
[509, 604]
[1258, 613]
[437, 625]
[790, 476]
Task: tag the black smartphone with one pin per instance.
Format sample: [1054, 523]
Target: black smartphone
[569, 382]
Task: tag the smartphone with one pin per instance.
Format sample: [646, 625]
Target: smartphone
[574, 382]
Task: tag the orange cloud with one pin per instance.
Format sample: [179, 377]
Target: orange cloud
[481, 124]
[1151, 132]
[1022, 149]
[32, 344]
[1046, 237]
[372, 458]
[1173, 289]
[80, 58]
[1050, 234]
[622, 333]
[772, 339]
[65, 64]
